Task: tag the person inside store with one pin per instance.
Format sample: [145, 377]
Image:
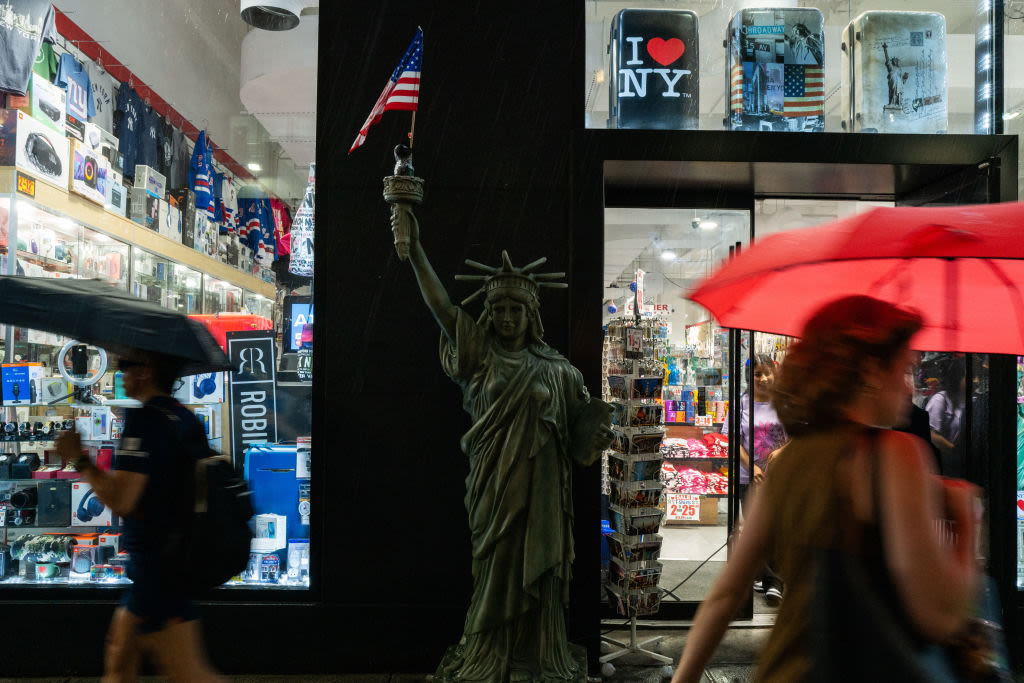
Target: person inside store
[945, 413]
[157, 616]
[846, 488]
[769, 437]
[532, 419]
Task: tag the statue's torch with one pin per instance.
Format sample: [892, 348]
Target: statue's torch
[401, 191]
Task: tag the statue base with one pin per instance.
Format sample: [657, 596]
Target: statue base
[579, 655]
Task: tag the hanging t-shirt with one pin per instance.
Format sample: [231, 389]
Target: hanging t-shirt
[46, 62]
[177, 176]
[127, 124]
[229, 200]
[149, 137]
[166, 147]
[104, 89]
[73, 77]
[284, 240]
[24, 25]
[199, 175]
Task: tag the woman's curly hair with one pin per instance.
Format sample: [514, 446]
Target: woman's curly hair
[823, 371]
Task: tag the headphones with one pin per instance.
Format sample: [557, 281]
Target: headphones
[204, 387]
[90, 507]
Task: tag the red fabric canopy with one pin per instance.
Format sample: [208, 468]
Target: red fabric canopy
[960, 267]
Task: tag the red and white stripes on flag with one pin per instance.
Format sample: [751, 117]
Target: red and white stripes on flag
[736, 87]
[402, 91]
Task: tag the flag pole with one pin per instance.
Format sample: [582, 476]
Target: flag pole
[412, 129]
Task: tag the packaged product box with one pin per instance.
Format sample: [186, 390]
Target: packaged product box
[169, 221]
[186, 201]
[53, 388]
[49, 103]
[151, 180]
[40, 150]
[88, 172]
[143, 207]
[21, 383]
[75, 128]
[116, 194]
[86, 508]
[207, 387]
[109, 148]
[893, 67]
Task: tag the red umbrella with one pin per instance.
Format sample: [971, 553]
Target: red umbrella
[960, 267]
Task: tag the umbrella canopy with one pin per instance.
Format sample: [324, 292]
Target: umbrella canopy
[94, 312]
[960, 267]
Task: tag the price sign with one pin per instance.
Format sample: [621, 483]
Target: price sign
[703, 420]
[634, 342]
[683, 507]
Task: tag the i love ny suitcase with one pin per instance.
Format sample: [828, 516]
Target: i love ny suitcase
[775, 75]
[894, 73]
[654, 69]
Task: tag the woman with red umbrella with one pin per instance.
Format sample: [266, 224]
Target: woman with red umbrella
[845, 486]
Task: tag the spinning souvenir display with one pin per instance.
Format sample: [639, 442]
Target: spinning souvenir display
[634, 378]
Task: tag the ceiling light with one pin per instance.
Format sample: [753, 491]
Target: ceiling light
[1011, 116]
[272, 15]
[254, 167]
[708, 225]
[668, 255]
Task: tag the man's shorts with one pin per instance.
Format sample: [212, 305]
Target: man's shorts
[158, 606]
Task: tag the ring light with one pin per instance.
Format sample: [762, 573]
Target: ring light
[76, 381]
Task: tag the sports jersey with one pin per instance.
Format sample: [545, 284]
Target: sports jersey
[229, 199]
[249, 229]
[127, 124]
[199, 175]
[148, 153]
[103, 89]
[73, 77]
[268, 245]
[46, 62]
[177, 175]
[217, 188]
[23, 27]
[166, 147]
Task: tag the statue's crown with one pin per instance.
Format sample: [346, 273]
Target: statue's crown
[508, 278]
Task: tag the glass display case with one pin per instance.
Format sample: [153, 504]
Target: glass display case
[104, 257]
[259, 305]
[165, 282]
[220, 296]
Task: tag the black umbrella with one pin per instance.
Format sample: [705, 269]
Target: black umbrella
[94, 312]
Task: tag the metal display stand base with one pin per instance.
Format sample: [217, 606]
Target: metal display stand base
[634, 646]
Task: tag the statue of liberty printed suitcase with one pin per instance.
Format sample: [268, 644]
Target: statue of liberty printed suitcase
[655, 69]
[775, 78]
[894, 73]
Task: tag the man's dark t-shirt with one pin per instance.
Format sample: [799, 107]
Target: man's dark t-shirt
[149, 446]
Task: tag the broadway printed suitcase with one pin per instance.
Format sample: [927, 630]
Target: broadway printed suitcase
[775, 76]
[894, 73]
[655, 69]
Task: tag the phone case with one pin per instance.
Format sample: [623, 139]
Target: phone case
[894, 73]
[775, 78]
[654, 69]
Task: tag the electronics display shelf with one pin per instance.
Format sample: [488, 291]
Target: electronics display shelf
[95, 216]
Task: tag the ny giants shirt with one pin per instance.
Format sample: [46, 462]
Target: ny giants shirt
[127, 125]
[73, 77]
[24, 25]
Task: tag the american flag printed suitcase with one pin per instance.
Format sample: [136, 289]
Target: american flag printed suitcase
[775, 78]
[654, 69]
[894, 73]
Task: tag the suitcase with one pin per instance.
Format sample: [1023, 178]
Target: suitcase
[655, 67]
[894, 73]
[775, 78]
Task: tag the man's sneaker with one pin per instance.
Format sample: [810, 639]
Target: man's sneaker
[773, 596]
[759, 586]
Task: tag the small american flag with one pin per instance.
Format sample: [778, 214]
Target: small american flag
[736, 87]
[804, 90]
[402, 91]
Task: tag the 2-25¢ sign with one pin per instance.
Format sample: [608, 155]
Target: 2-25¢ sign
[683, 507]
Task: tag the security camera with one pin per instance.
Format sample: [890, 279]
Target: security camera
[695, 224]
[273, 15]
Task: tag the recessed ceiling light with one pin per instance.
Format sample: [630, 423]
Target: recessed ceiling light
[708, 225]
[668, 255]
[254, 167]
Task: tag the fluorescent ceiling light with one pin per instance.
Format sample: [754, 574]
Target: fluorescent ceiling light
[668, 255]
[254, 167]
[708, 225]
[1011, 115]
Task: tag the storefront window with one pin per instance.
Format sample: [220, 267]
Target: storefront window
[124, 158]
[662, 65]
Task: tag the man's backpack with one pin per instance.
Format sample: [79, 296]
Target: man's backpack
[213, 539]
